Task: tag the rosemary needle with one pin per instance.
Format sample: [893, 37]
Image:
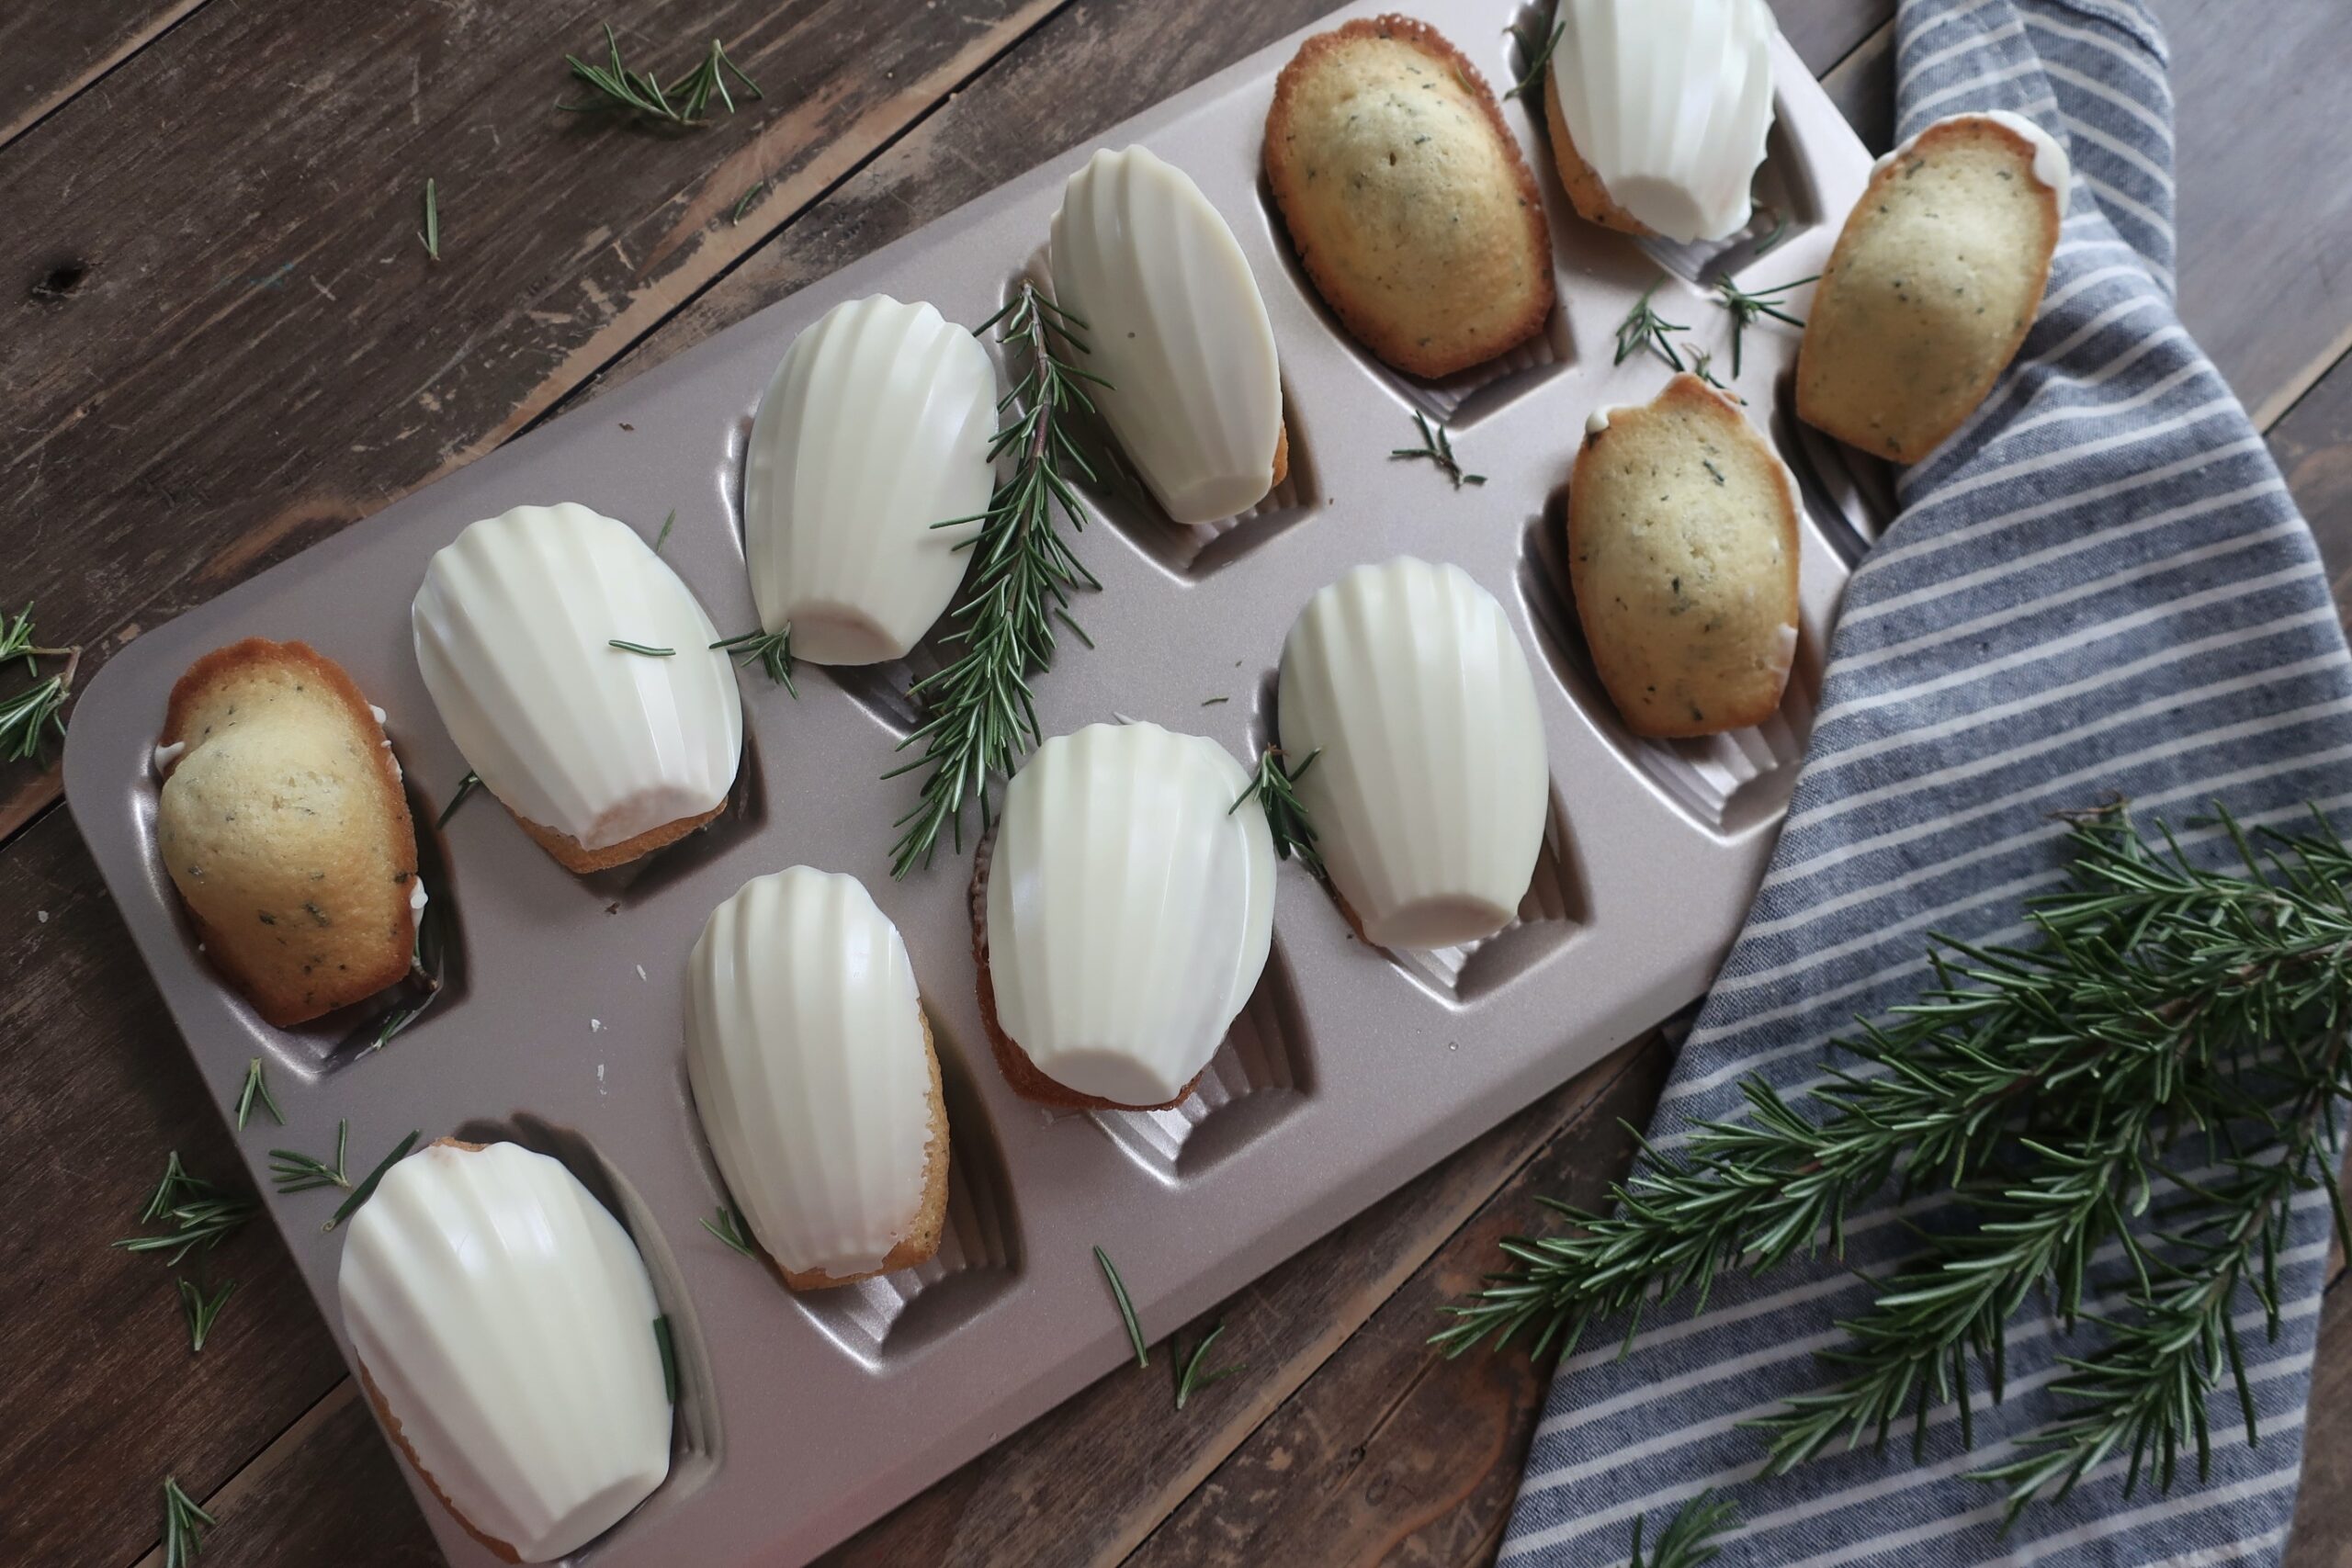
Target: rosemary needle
[431, 235]
[29, 718]
[1746, 308]
[641, 649]
[257, 1089]
[744, 205]
[1645, 328]
[1274, 789]
[466, 786]
[1438, 447]
[1192, 1380]
[184, 1526]
[366, 1189]
[293, 1171]
[668, 1347]
[200, 1312]
[729, 1228]
[1539, 58]
[771, 650]
[1689, 1538]
[1126, 1307]
[663, 537]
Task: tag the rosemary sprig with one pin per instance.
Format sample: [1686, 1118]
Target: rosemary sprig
[2050, 1089]
[200, 1312]
[664, 1343]
[466, 786]
[1747, 307]
[366, 1188]
[257, 1087]
[729, 1228]
[1645, 328]
[613, 87]
[1688, 1539]
[431, 234]
[184, 1526]
[1191, 1379]
[980, 714]
[1275, 789]
[292, 1171]
[198, 1215]
[1537, 55]
[1438, 447]
[639, 648]
[772, 650]
[29, 718]
[1126, 1307]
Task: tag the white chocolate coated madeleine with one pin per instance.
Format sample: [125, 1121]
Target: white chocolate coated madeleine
[604, 753]
[1129, 913]
[1430, 795]
[814, 1078]
[504, 1323]
[874, 430]
[1658, 112]
[1175, 325]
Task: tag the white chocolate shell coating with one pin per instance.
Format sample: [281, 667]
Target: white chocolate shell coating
[876, 428]
[513, 627]
[1130, 908]
[508, 1323]
[1430, 798]
[805, 1047]
[2052, 167]
[1175, 325]
[1670, 101]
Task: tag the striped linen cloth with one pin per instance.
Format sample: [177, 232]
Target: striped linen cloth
[2099, 584]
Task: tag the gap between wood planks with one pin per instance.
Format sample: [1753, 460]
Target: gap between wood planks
[26, 805]
[100, 68]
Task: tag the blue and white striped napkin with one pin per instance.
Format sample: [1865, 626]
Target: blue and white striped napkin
[2099, 584]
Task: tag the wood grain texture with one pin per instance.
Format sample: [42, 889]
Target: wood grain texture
[224, 340]
[49, 52]
[2314, 446]
[1091, 1482]
[222, 409]
[94, 1088]
[2322, 1532]
[1393, 1453]
[2265, 206]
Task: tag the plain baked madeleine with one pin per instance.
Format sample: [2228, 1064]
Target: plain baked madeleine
[1934, 284]
[1682, 552]
[1405, 197]
[282, 824]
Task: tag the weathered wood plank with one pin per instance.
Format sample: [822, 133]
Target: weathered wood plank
[1089, 1482]
[223, 338]
[2314, 446]
[1824, 32]
[103, 1396]
[1393, 1453]
[2264, 204]
[2322, 1532]
[48, 53]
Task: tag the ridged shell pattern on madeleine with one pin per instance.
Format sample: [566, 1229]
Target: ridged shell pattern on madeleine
[813, 1075]
[875, 429]
[1129, 909]
[506, 1326]
[1431, 791]
[513, 628]
[1175, 323]
[1658, 112]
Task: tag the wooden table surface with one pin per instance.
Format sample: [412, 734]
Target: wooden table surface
[224, 343]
